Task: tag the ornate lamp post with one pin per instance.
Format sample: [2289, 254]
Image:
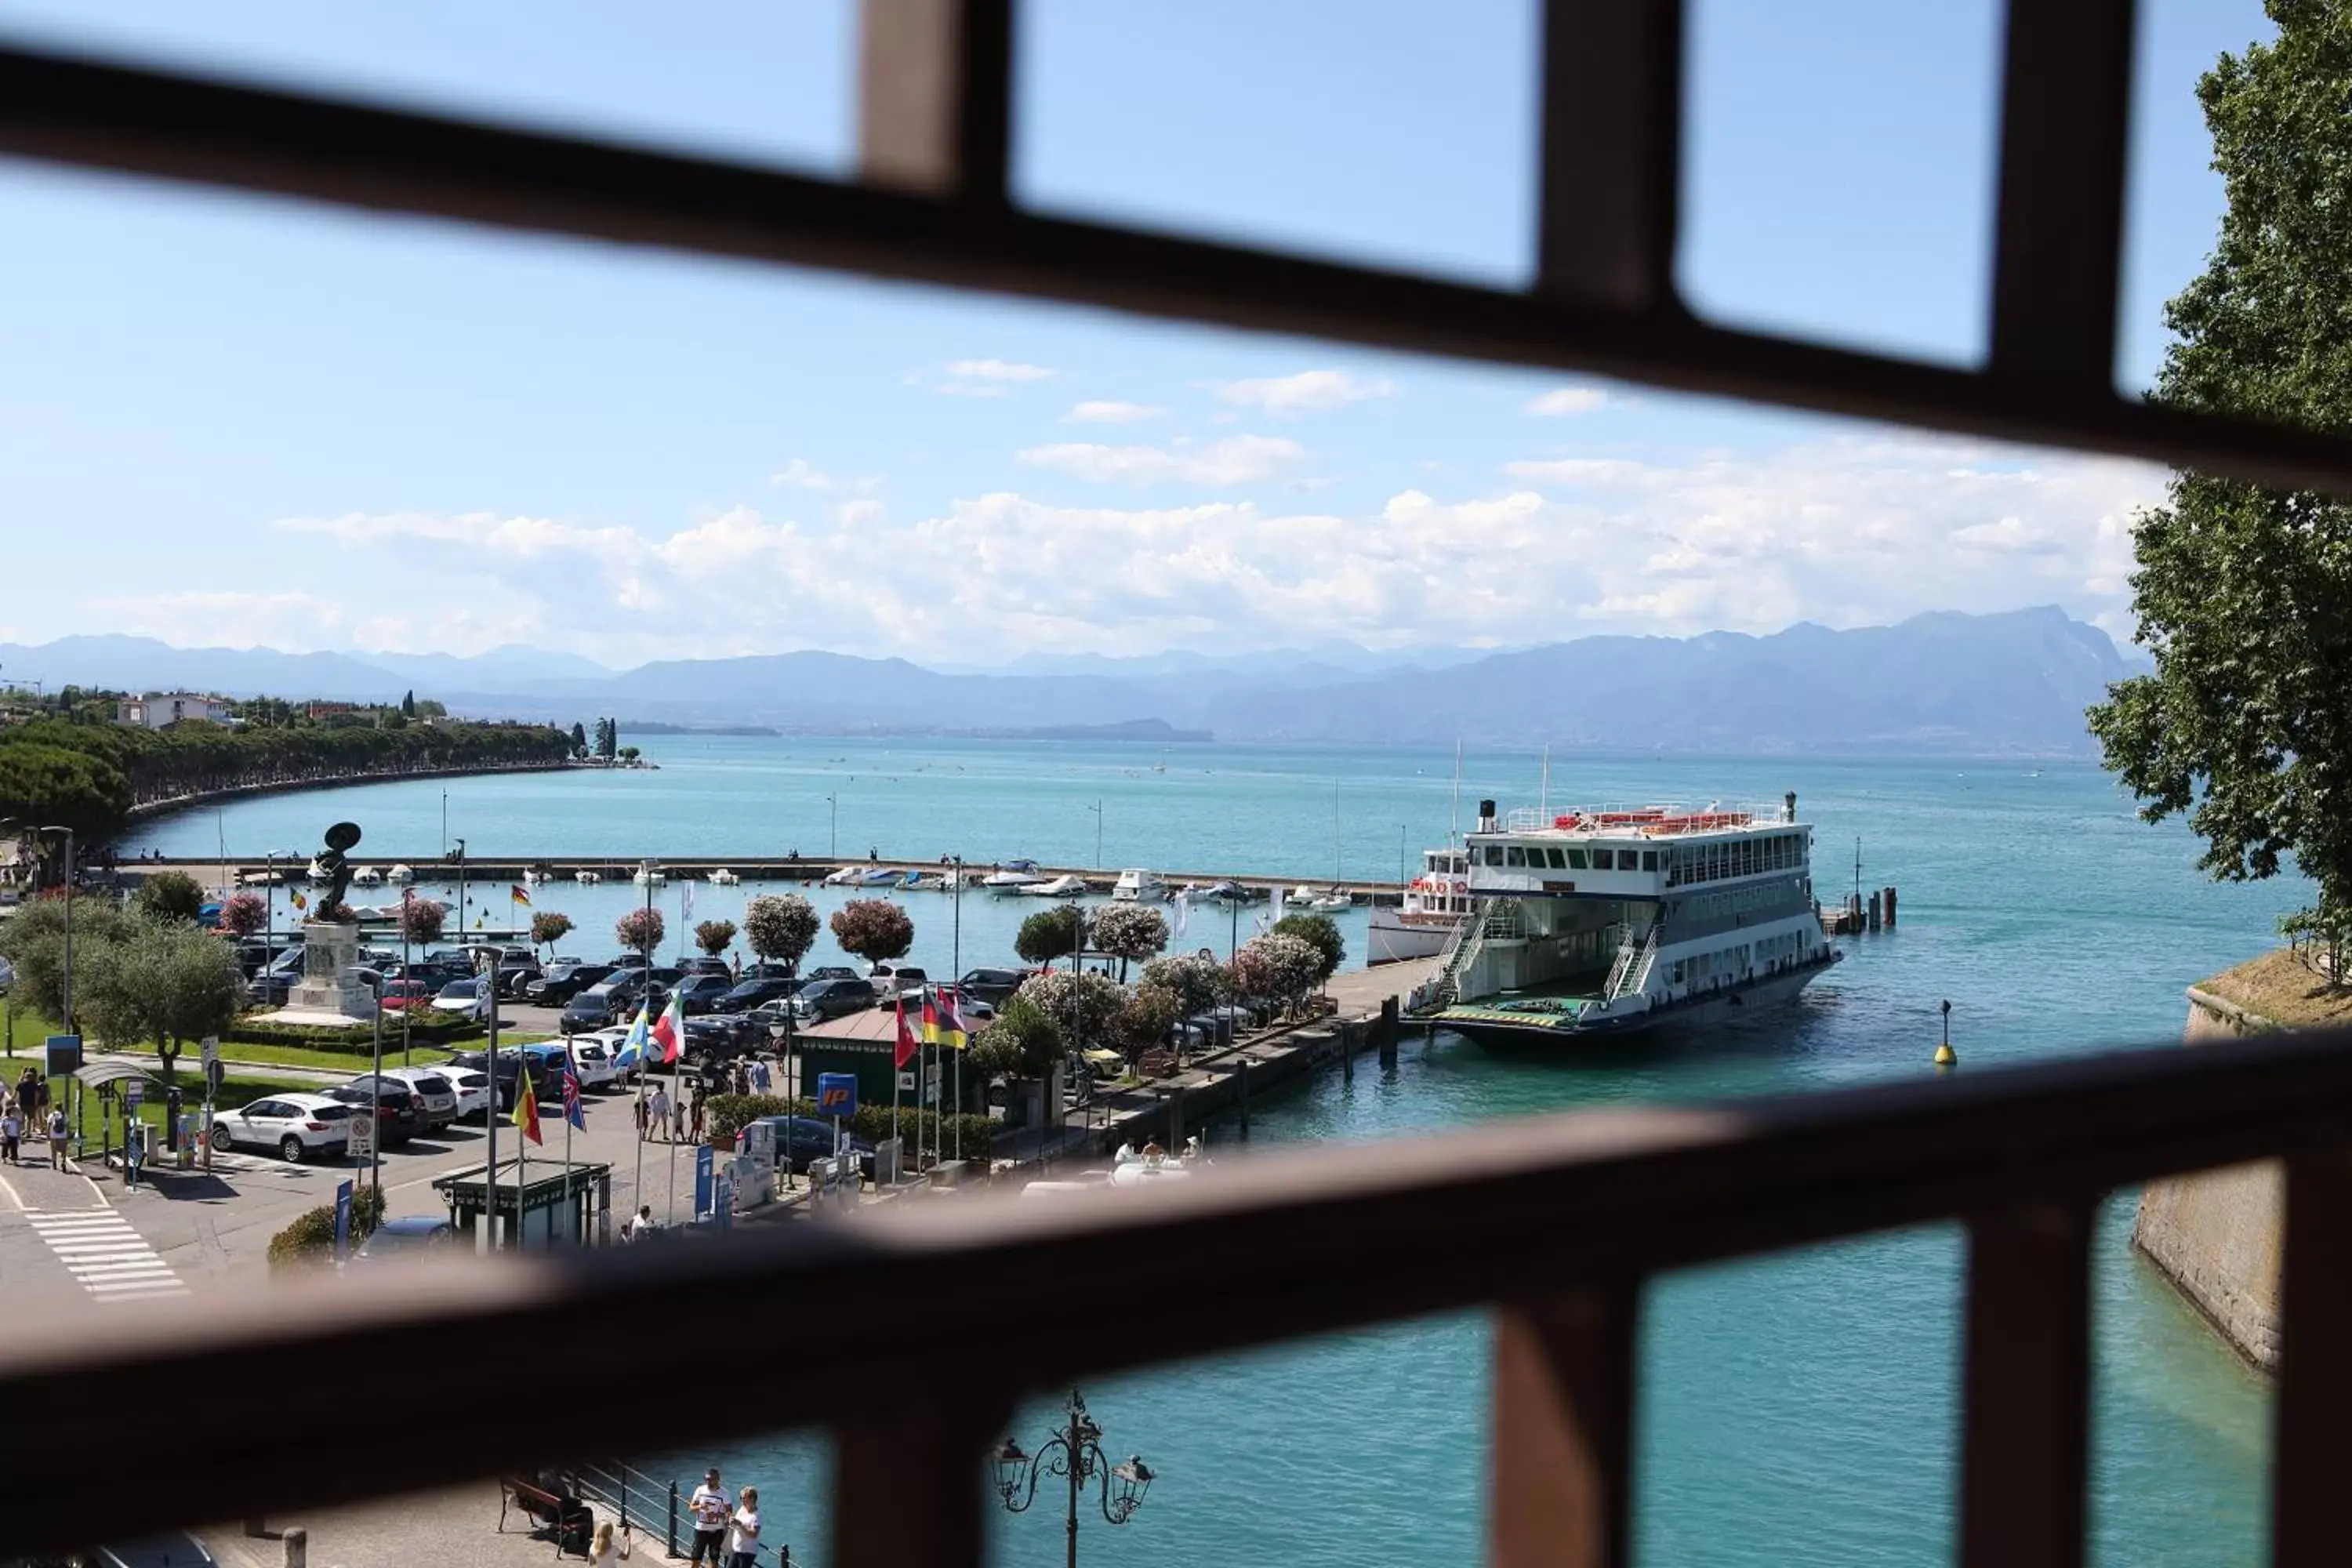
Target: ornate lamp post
[1075, 1451]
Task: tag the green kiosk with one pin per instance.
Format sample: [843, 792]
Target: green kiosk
[564, 1206]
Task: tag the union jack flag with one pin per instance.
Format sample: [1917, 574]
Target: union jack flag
[572, 1111]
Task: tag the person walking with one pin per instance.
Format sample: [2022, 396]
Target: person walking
[643, 1121]
[712, 1509]
[640, 1225]
[678, 1118]
[743, 1538]
[58, 1138]
[658, 1105]
[697, 1135]
[605, 1550]
[12, 1128]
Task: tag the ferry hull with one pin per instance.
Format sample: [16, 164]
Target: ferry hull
[1483, 1026]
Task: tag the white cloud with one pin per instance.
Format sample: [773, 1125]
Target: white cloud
[1569, 400]
[1236, 460]
[1306, 391]
[1101, 413]
[996, 370]
[1845, 531]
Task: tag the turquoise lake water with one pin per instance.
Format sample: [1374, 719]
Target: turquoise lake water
[1794, 1409]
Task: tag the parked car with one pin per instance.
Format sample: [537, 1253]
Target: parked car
[990, 986]
[601, 1006]
[564, 981]
[714, 1040]
[754, 993]
[770, 969]
[702, 993]
[592, 1059]
[889, 977]
[707, 967]
[7, 976]
[462, 999]
[434, 1093]
[408, 1236]
[805, 1139]
[629, 960]
[514, 980]
[833, 971]
[297, 1125]
[821, 999]
[405, 996]
[468, 1087]
[399, 1112]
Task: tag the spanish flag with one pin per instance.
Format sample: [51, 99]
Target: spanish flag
[526, 1111]
[299, 902]
[518, 893]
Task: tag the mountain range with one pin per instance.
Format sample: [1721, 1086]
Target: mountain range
[1944, 682]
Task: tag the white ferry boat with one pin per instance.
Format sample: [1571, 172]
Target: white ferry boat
[1435, 904]
[1612, 920]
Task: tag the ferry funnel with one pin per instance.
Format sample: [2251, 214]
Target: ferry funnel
[1487, 823]
[1788, 807]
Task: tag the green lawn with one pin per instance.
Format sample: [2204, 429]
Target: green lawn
[342, 1061]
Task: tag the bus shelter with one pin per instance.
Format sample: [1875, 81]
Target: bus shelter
[564, 1206]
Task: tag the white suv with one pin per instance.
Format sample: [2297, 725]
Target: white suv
[437, 1093]
[297, 1125]
[592, 1057]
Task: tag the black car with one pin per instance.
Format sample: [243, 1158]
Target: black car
[833, 971]
[832, 998]
[805, 1139]
[565, 981]
[602, 1006]
[546, 1064]
[990, 986]
[701, 992]
[716, 1039]
[755, 993]
[706, 966]
[769, 968]
[399, 1116]
[514, 980]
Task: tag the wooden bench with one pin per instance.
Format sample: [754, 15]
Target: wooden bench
[568, 1519]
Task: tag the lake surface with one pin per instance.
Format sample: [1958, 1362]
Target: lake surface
[1795, 1409]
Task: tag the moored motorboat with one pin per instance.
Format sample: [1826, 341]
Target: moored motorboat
[1137, 885]
[366, 877]
[1013, 876]
[723, 877]
[1435, 905]
[651, 877]
[1059, 888]
[400, 874]
[587, 878]
[846, 877]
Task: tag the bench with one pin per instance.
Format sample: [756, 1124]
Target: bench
[567, 1518]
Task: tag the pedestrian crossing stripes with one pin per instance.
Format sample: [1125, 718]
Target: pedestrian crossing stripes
[113, 1261]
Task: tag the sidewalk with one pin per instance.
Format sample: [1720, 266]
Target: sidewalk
[458, 1526]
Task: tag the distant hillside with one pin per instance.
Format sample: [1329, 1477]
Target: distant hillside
[1945, 682]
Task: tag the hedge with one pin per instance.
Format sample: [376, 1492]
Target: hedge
[311, 1237]
[729, 1112]
[358, 1042]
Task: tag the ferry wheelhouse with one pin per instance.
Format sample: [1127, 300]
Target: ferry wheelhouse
[1616, 920]
[1435, 905]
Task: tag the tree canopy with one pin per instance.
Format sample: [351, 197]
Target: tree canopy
[242, 914]
[163, 983]
[1320, 932]
[714, 937]
[1197, 981]
[641, 930]
[549, 927]
[171, 896]
[1021, 1041]
[2245, 726]
[1048, 934]
[780, 927]
[1129, 933]
[875, 930]
[421, 919]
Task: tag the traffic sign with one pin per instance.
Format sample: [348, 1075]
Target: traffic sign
[63, 1053]
[208, 1049]
[134, 1090]
[362, 1140]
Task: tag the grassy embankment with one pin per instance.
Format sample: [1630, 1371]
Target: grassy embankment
[2280, 986]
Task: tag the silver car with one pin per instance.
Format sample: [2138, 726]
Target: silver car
[297, 1125]
[436, 1093]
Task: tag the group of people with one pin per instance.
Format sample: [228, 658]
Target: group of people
[661, 1119]
[726, 1531]
[25, 1109]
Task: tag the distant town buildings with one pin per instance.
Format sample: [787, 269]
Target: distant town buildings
[157, 709]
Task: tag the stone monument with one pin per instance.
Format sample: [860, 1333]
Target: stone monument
[330, 994]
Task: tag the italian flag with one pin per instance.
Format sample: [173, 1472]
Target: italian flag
[669, 1031]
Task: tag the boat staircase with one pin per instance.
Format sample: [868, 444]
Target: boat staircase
[1489, 917]
[1631, 973]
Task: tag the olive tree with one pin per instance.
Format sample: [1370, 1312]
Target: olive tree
[169, 896]
[1048, 934]
[1320, 932]
[164, 983]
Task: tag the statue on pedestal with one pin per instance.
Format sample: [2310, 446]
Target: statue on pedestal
[336, 866]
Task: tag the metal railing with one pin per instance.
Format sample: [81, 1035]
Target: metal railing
[1556, 1224]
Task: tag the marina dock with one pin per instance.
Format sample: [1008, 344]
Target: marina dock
[562, 869]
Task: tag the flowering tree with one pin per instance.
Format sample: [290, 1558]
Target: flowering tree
[1021, 1041]
[244, 913]
[1129, 931]
[780, 927]
[549, 927]
[1082, 1005]
[1275, 968]
[642, 930]
[1144, 1020]
[421, 921]
[1320, 932]
[873, 929]
[713, 936]
[1197, 981]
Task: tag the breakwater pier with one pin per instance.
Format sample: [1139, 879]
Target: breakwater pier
[787, 868]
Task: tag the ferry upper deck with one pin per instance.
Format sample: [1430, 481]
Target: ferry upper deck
[1631, 853]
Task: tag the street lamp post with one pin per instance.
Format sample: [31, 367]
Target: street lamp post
[66, 981]
[832, 833]
[1098, 809]
[1075, 1451]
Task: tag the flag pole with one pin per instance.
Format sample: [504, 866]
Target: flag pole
[893, 1071]
[522, 1145]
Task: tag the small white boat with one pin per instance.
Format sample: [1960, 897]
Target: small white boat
[262, 879]
[1137, 885]
[847, 877]
[399, 874]
[536, 874]
[1013, 877]
[365, 876]
[723, 877]
[1330, 903]
[648, 876]
[587, 878]
[1059, 888]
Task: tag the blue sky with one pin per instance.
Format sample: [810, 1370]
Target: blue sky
[309, 429]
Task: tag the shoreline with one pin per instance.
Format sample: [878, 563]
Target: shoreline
[153, 811]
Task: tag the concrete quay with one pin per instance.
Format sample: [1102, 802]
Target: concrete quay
[488, 869]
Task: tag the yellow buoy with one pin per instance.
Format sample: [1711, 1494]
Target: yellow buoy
[1946, 1056]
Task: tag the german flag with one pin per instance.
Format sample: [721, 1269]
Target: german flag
[518, 893]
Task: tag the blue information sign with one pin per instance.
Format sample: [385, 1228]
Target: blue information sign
[342, 1220]
[702, 1169]
[836, 1094]
[64, 1054]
